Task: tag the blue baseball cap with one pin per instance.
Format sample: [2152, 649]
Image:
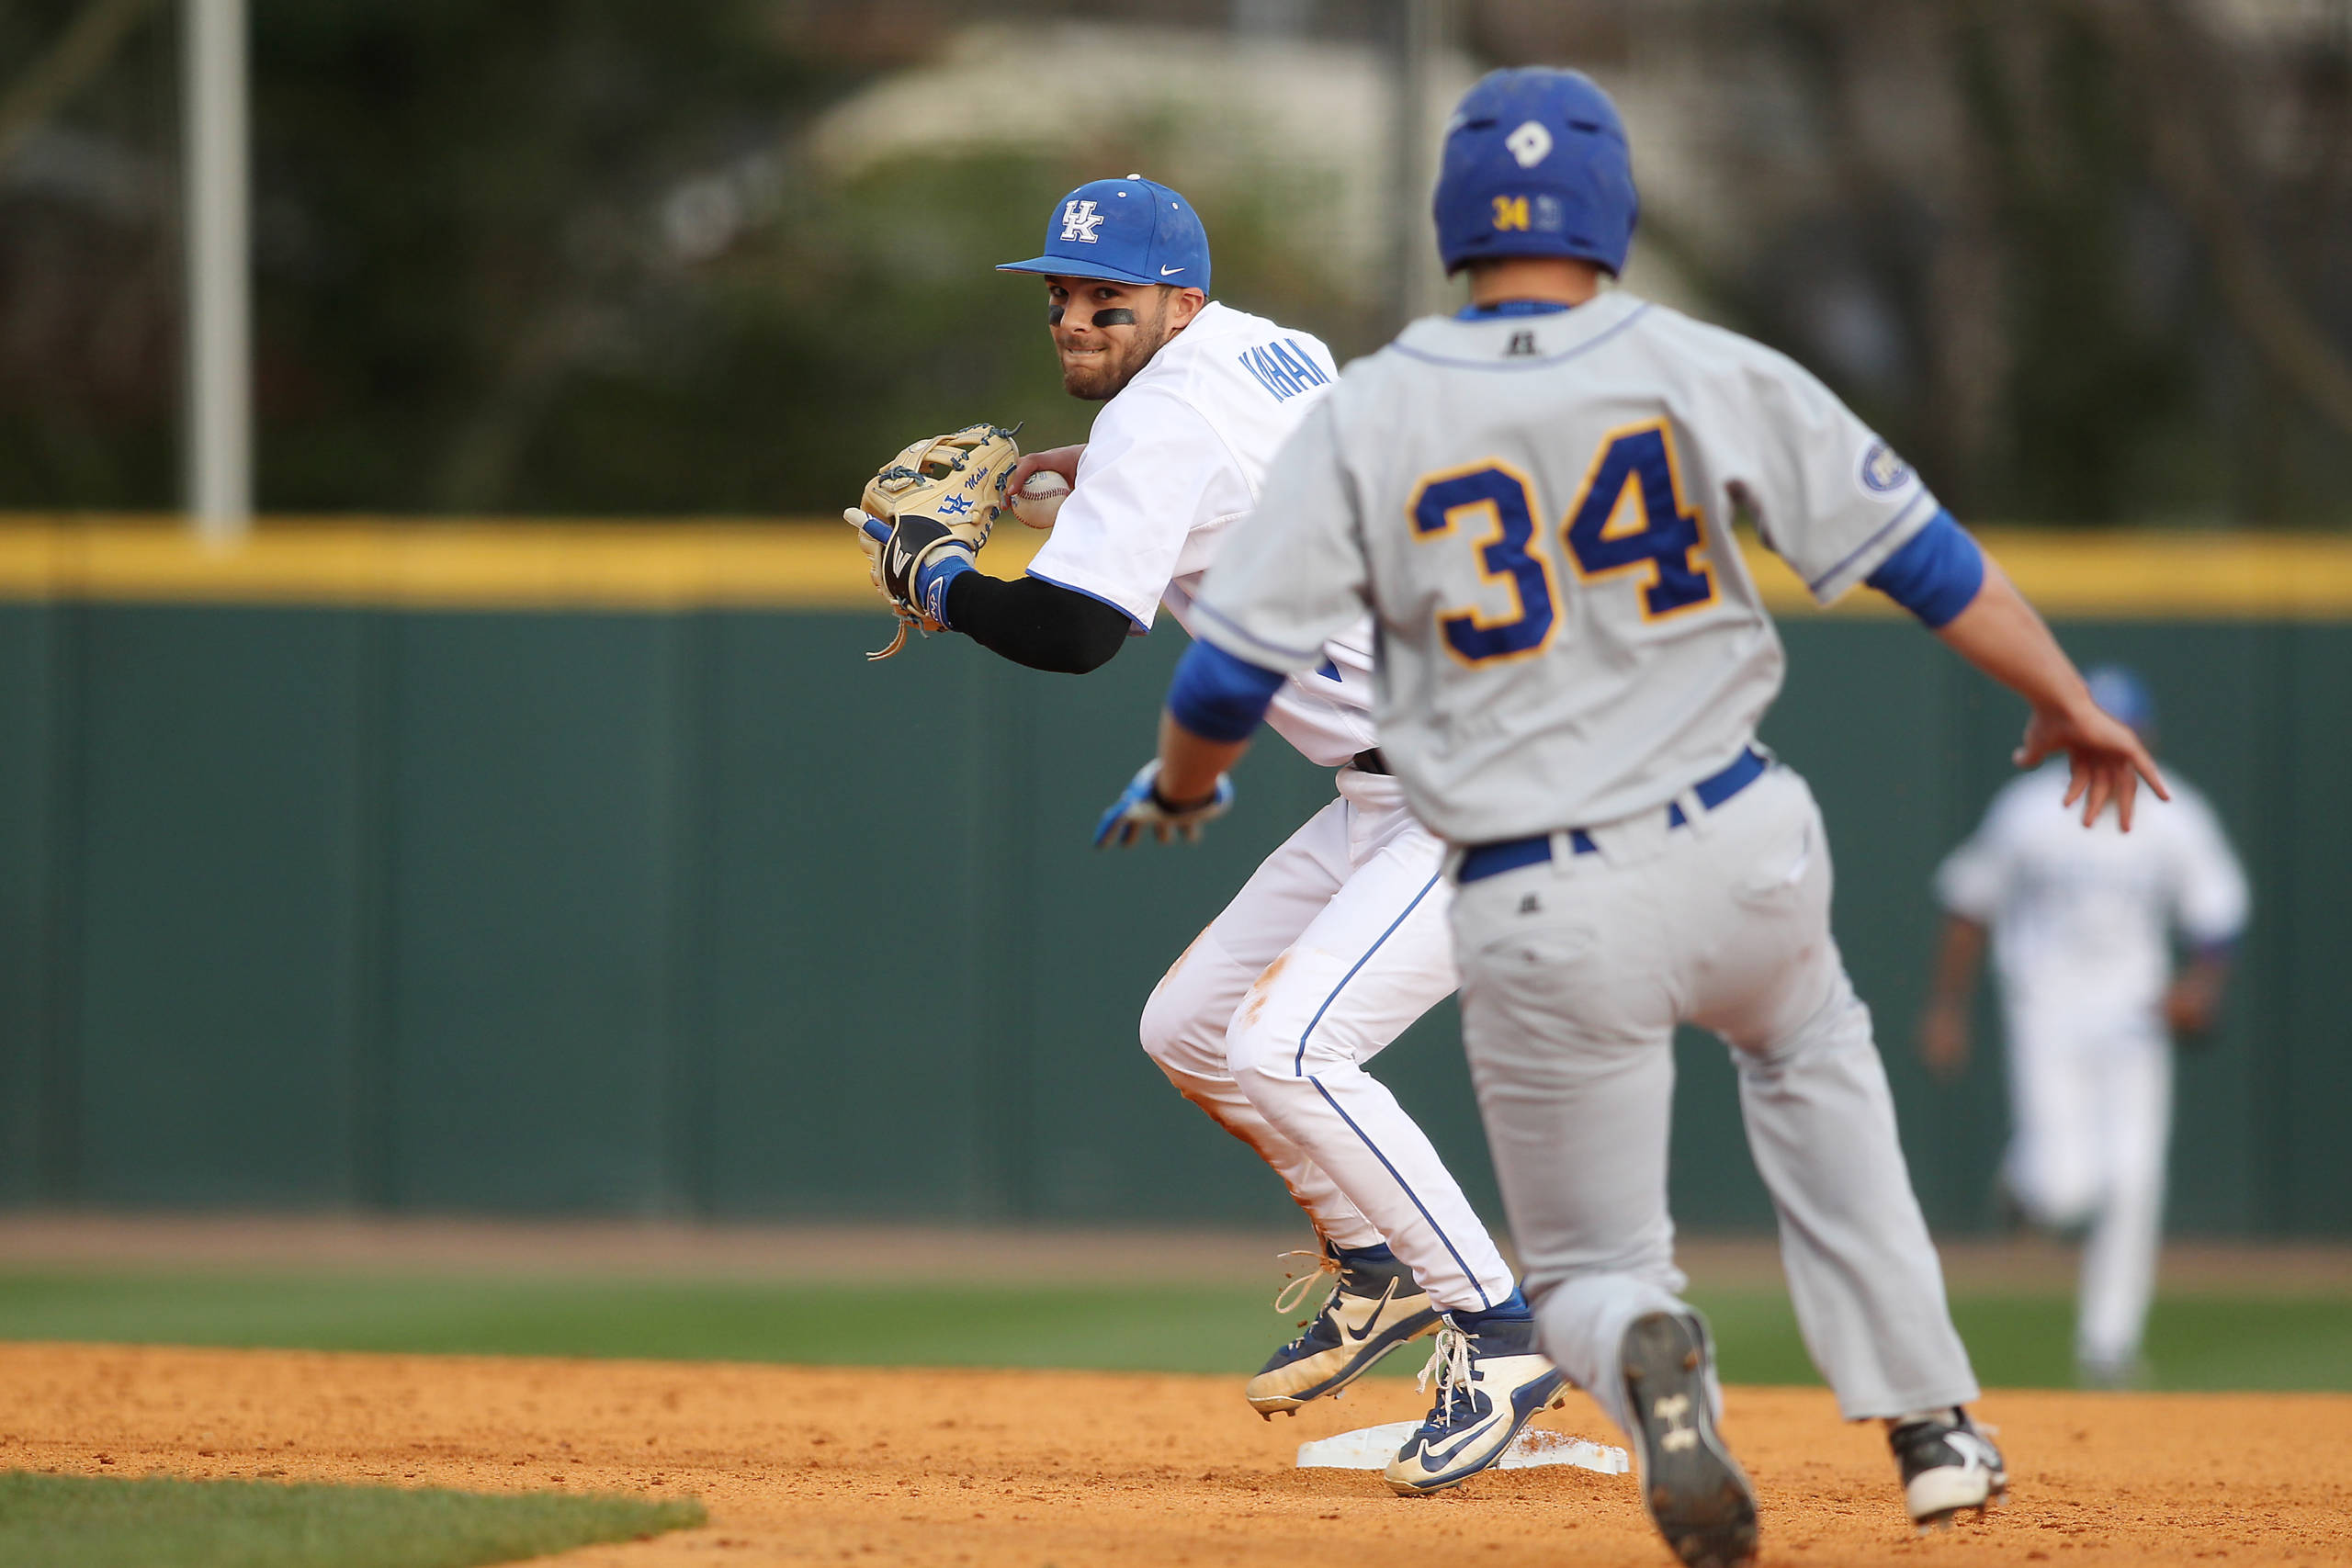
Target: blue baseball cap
[2124, 696]
[1129, 230]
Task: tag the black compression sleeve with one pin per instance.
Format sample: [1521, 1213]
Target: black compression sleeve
[1036, 623]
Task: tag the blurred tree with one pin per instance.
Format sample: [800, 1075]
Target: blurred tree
[89, 286]
[79, 53]
[565, 258]
[2083, 258]
[463, 225]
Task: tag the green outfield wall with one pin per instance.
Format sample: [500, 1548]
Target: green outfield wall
[405, 899]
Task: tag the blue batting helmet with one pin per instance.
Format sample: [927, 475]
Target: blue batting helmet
[1535, 164]
[2124, 695]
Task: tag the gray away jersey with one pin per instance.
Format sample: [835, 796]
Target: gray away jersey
[1538, 511]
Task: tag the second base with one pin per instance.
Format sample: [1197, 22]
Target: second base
[1371, 1447]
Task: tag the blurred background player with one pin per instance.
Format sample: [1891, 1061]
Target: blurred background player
[2082, 927]
[1339, 941]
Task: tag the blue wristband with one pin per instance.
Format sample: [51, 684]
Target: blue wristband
[938, 575]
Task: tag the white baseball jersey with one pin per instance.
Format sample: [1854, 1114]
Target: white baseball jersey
[1337, 942]
[2082, 919]
[1172, 462]
[1540, 507]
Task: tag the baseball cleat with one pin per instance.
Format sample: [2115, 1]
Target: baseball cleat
[1489, 1385]
[1948, 1465]
[1696, 1493]
[1374, 1306]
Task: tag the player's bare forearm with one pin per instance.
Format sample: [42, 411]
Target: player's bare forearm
[2194, 1000]
[2004, 636]
[2000, 634]
[1190, 764]
[1957, 958]
[1944, 1025]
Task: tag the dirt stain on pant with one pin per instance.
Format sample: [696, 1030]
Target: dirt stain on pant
[1262, 990]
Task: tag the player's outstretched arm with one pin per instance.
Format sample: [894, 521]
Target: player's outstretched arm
[1943, 1024]
[2000, 634]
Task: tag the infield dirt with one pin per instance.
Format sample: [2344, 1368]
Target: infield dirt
[995, 1469]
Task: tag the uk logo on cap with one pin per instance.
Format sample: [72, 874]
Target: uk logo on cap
[1124, 231]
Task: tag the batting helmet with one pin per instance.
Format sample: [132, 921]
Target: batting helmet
[2120, 691]
[1535, 164]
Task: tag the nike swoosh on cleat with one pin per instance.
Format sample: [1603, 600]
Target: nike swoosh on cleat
[1438, 1459]
[1351, 1336]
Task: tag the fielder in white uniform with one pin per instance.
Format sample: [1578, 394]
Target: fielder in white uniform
[2081, 927]
[1339, 941]
[1535, 501]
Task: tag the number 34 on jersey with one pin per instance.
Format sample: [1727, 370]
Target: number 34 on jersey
[1628, 520]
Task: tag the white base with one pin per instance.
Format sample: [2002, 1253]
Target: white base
[1371, 1447]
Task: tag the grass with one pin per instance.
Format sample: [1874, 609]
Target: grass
[67, 1521]
[2195, 1342]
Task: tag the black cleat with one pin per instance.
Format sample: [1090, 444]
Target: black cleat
[1948, 1465]
[1695, 1491]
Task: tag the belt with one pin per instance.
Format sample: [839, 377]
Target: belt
[1509, 854]
[1369, 761]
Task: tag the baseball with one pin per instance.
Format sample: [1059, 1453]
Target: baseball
[1041, 497]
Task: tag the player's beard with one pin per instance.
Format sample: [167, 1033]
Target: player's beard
[1101, 376]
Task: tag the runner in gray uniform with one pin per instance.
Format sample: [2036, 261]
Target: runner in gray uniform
[1535, 500]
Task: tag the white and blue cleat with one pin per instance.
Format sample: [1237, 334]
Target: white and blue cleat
[1490, 1384]
[1375, 1307]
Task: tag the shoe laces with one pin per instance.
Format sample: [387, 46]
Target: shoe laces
[1449, 1365]
[1294, 1293]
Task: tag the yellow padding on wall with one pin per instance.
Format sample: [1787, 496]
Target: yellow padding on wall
[455, 565]
[815, 565]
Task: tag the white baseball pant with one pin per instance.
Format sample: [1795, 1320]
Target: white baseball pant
[1331, 950]
[1576, 971]
[2092, 1113]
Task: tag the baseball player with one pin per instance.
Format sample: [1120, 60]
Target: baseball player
[1535, 499]
[1339, 941]
[2082, 927]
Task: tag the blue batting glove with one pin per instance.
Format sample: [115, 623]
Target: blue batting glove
[1140, 808]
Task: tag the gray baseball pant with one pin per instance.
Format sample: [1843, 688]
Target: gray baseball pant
[1574, 973]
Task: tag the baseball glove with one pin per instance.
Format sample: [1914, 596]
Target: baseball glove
[942, 494]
